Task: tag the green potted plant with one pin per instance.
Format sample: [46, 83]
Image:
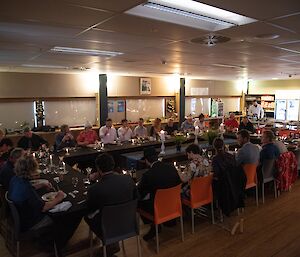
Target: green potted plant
[210, 135]
[179, 139]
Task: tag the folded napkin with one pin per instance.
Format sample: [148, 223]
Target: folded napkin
[64, 206]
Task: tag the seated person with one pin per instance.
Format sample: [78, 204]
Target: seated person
[269, 149]
[108, 133]
[246, 124]
[188, 124]
[31, 141]
[87, 136]
[160, 175]
[64, 138]
[231, 123]
[171, 127]
[140, 130]
[200, 122]
[248, 153]
[111, 189]
[7, 171]
[6, 145]
[125, 132]
[156, 128]
[195, 168]
[32, 209]
[2, 134]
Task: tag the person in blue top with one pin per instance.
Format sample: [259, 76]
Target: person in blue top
[269, 149]
[188, 124]
[64, 138]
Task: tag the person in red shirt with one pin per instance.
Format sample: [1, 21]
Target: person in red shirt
[231, 123]
[87, 136]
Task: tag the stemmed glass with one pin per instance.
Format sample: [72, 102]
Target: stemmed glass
[204, 151]
[209, 154]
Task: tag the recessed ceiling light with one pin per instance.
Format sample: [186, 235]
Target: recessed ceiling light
[190, 13]
[274, 78]
[80, 51]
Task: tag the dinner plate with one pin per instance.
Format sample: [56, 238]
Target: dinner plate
[39, 181]
[50, 196]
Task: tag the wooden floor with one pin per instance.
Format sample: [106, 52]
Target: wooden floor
[272, 229]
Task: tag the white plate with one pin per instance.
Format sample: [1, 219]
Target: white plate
[39, 181]
[50, 196]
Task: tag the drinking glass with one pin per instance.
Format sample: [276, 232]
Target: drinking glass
[209, 154]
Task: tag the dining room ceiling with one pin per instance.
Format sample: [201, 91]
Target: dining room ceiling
[265, 49]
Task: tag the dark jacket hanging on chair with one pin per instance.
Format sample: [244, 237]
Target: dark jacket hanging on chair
[229, 183]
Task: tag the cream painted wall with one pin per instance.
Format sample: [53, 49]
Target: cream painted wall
[130, 86]
[215, 87]
[23, 85]
[270, 86]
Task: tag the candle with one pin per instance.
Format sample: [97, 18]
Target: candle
[196, 130]
[33, 155]
[174, 164]
[67, 150]
[51, 162]
[162, 135]
[64, 166]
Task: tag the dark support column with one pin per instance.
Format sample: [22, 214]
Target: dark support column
[103, 98]
[181, 100]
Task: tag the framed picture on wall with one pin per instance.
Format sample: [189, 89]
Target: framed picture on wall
[145, 86]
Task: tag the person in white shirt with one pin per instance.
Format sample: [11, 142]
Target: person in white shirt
[125, 132]
[200, 122]
[107, 133]
[256, 110]
[140, 130]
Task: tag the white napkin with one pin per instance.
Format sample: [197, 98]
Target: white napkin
[64, 206]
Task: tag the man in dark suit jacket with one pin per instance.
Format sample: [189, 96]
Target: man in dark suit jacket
[31, 140]
[159, 176]
[111, 189]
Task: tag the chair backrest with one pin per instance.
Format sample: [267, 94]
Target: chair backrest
[201, 191]
[167, 204]
[119, 222]
[250, 171]
[268, 168]
[15, 217]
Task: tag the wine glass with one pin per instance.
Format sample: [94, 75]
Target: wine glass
[204, 151]
[74, 181]
[209, 154]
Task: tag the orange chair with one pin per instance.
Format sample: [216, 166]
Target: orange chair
[250, 171]
[201, 194]
[167, 206]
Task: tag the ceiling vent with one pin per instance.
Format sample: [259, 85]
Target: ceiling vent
[210, 40]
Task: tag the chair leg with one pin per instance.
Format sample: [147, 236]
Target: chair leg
[193, 220]
[182, 232]
[157, 240]
[91, 242]
[55, 249]
[263, 192]
[221, 215]
[139, 245]
[256, 194]
[123, 246]
[212, 212]
[104, 251]
[18, 248]
[275, 189]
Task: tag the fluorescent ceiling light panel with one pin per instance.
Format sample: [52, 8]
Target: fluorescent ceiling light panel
[80, 51]
[190, 13]
[44, 66]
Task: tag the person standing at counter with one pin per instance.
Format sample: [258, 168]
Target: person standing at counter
[64, 138]
[87, 136]
[246, 124]
[140, 130]
[31, 140]
[171, 127]
[231, 123]
[188, 124]
[156, 128]
[108, 133]
[255, 110]
[125, 132]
